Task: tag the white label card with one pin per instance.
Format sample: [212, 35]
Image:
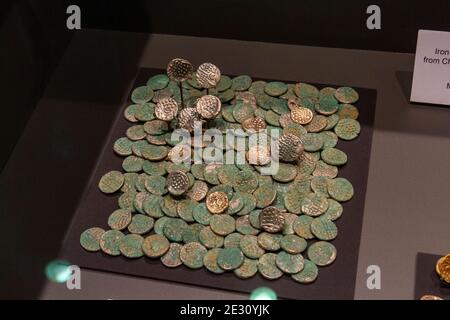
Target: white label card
[431, 80]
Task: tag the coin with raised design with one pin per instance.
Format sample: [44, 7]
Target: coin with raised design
[289, 263]
[155, 246]
[208, 75]
[340, 189]
[131, 246]
[208, 106]
[324, 229]
[347, 129]
[111, 182]
[247, 270]
[271, 219]
[308, 274]
[290, 147]
[443, 268]
[267, 266]
[210, 261]
[166, 109]
[188, 119]
[222, 224]
[179, 69]
[110, 242]
[192, 255]
[119, 219]
[217, 202]
[230, 258]
[322, 253]
[177, 183]
[346, 95]
[90, 239]
[301, 115]
[171, 258]
[254, 124]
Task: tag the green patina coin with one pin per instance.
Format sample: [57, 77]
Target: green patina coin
[334, 156]
[235, 204]
[152, 206]
[226, 96]
[154, 153]
[110, 242]
[173, 229]
[320, 185]
[347, 129]
[222, 188]
[131, 246]
[325, 170]
[227, 113]
[245, 181]
[322, 253]
[348, 111]
[210, 261]
[250, 247]
[269, 241]
[286, 172]
[142, 94]
[295, 129]
[302, 227]
[209, 239]
[111, 182]
[158, 140]
[303, 90]
[279, 106]
[232, 240]
[119, 219]
[139, 200]
[192, 255]
[289, 219]
[275, 88]
[145, 112]
[241, 83]
[230, 258]
[293, 244]
[155, 246]
[254, 219]
[346, 95]
[314, 204]
[312, 142]
[222, 224]
[224, 83]
[185, 209]
[129, 113]
[332, 120]
[171, 258]
[156, 185]
[265, 196]
[169, 206]
[226, 174]
[308, 274]
[198, 170]
[324, 229]
[129, 184]
[326, 92]
[340, 189]
[306, 165]
[154, 168]
[192, 232]
[243, 226]
[141, 224]
[242, 111]
[137, 146]
[122, 146]
[155, 127]
[257, 87]
[272, 118]
[334, 210]
[327, 105]
[140, 182]
[289, 263]
[317, 124]
[330, 139]
[211, 173]
[136, 133]
[159, 225]
[292, 200]
[126, 200]
[267, 266]
[247, 270]
[90, 239]
[183, 167]
[132, 164]
[158, 82]
[201, 214]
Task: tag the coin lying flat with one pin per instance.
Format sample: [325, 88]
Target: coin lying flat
[340, 189]
[293, 244]
[141, 224]
[347, 129]
[230, 258]
[290, 147]
[110, 242]
[346, 95]
[308, 274]
[250, 247]
[217, 202]
[210, 239]
[131, 246]
[155, 246]
[192, 255]
[247, 270]
[289, 263]
[210, 261]
[324, 229]
[222, 224]
[301, 115]
[314, 204]
[443, 268]
[267, 266]
[269, 241]
[271, 219]
[177, 183]
[171, 258]
[119, 219]
[90, 239]
[322, 253]
[111, 182]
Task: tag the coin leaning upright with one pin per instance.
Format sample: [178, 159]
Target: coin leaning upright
[208, 106]
[208, 75]
[166, 109]
[179, 69]
[177, 182]
[271, 219]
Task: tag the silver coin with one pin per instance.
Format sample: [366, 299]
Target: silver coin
[166, 109]
[179, 69]
[290, 147]
[208, 75]
[208, 106]
[187, 118]
[271, 219]
[177, 183]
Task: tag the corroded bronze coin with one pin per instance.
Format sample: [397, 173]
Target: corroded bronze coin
[177, 183]
[141, 224]
[208, 106]
[119, 219]
[131, 246]
[314, 204]
[208, 75]
[166, 109]
[340, 189]
[308, 274]
[217, 202]
[322, 253]
[301, 115]
[222, 224]
[324, 229]
[346, 95]
[293, 244]
[171, 258]
[267, 266]
[244, 226]
[265, 196]
[269, 241]
[250, 247]
[347, 129]
[179, 69]
[155, 246]
[230, 258]
[198, 191]
[302, 226]
[247, 270]
[90, 239]
[209, 239]
[271, 219]
[192, 255]
[210, 261]
[110, 242]
[111, 182]
[289, 263]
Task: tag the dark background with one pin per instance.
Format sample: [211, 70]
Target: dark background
[34, 38]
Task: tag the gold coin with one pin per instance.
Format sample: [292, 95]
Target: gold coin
[443, 268]
[301, 115]
[254, 124]
[217, 202]
[430, 297]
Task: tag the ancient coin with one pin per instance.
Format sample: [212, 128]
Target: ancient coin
[208, 106]
[293, 244]
[173, 229]
[243, 111]
[159, 225]
[302, 227]
[267, 266]
[254, 124]
[209, 239]
[156, 185]
[131, 246]
[192, 233]
[179, 69]
[325, 170]
[247, 270]
[122, 146]
[257, 155]
[232, 240]
[286, 172]
[443, 268]
[152, 206]
[145, 112]
[119, 219]
[208, 75]
[142, 94]
[230, 258]
[346, 95]
[217, 202]
[317, 124]
[158, 140]
[158, 82]
[188, 119]
[306, 165]
[290, 147]
[111, 182]
[271, 219]
[340, 189]
[269, 241]
[324, 229]
[334, 156]
[312, 142]
[289, 219]
[154, 168]
[332, 120]
[330, 139]
[132, 164]
[228, 190]
[334, 210]
[90, 239]
[348, 111]
[166, 109]
[224, 83]
[308, 274]
[185, 209]
[139, 200]
[141, 224]
[265, 195]
[305, 90]
[245, 181]
[275, 88]
[126, 200]
[129, 113]
[289, 263]
[201, 214]
[222, 224]
[154, 127]
[327, 105]
[322, 253]
[155, 246]
[210, 261]
[192, 255]
[347, 129]
[171, 258]
[110, 241]
[244, 226]
[250, 247]
[177, 183]
[241, 83]
[301, 115]
[198, 191]
[314, 204]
